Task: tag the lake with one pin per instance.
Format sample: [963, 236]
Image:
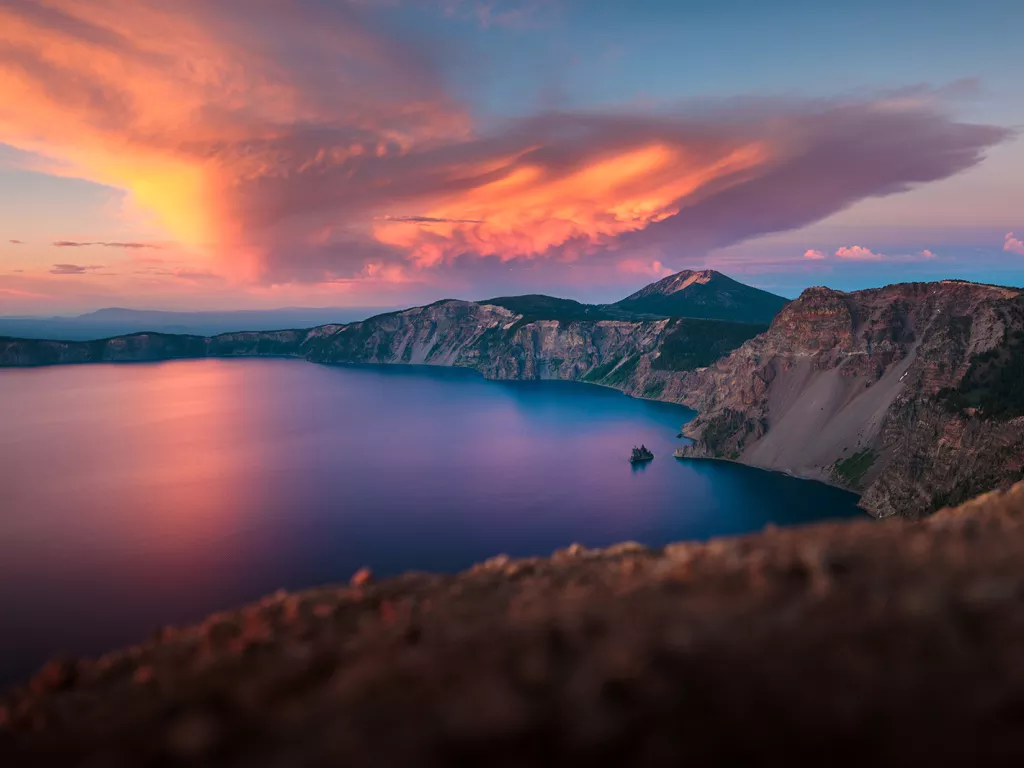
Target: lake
[138, 495]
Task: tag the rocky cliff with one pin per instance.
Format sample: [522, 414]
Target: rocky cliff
[498, 342]
[904, 394]
[502, 345]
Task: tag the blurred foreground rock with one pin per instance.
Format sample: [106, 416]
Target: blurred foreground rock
[864, 643]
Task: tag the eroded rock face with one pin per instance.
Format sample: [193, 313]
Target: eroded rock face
[488, 338]
[853, 388]
[496, 342]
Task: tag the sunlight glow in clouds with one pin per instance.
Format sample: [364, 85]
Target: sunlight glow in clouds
[186, 105]
[19, 294]
[531, 209]
[304, 142]
[1013, 244]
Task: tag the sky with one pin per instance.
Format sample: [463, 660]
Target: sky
[215, 154]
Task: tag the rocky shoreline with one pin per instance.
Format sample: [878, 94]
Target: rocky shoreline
[846, 643]
[682, 454]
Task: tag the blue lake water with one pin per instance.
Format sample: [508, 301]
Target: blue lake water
[133, 496]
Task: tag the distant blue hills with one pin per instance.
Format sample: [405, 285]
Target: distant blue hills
[116, 321]
[707, 295]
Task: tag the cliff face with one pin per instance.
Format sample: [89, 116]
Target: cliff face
[496, 341]
[864, 390]
[501, 345]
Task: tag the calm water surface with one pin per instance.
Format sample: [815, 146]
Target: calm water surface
[139, 495]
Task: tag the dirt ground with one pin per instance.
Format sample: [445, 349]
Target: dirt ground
[860, 643]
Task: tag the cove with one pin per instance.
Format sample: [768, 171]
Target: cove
[138, 495]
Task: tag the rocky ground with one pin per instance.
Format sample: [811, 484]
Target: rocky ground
[864, 643]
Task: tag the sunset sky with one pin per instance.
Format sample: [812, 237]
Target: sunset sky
[221, 154]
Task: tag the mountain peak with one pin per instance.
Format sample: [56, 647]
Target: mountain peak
[704, 294]
[683, 279]
[677, 282]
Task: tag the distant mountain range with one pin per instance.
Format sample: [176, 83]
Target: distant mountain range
[912, 395]
[104, 323]
[707, 295]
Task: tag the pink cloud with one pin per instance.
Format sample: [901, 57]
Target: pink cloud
[644, 267]
[74, 269]
[927, 254]
[22, 294]
[858, 253]
[1013, 244]
[816, 255]
[126, 246]
[385, 273]
[180, 273]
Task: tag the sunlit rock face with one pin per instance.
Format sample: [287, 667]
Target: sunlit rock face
[498, 343]
[902, 393]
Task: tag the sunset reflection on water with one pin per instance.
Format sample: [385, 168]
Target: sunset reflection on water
[145, 494]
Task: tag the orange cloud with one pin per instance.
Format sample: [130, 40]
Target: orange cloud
[816, 255]
[298, 142]
[22, 294]
[380, 272]
[184, 104]
[530, 209]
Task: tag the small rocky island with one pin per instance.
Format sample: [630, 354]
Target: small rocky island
[640, 455]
